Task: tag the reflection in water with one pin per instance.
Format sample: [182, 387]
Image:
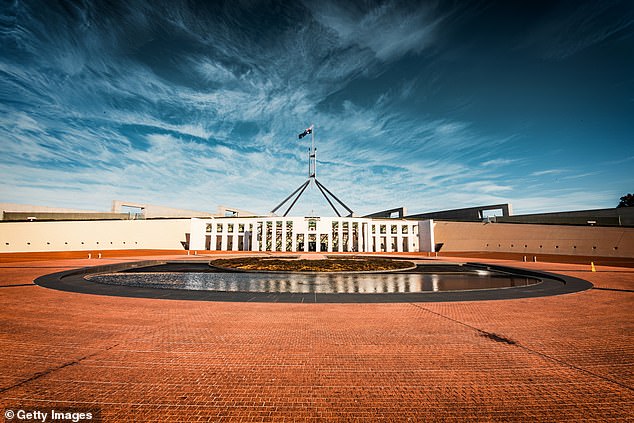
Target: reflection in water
[316, 283]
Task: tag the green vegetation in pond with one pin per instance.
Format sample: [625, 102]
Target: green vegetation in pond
[328, 265]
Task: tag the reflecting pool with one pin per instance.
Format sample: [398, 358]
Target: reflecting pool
[333, 283]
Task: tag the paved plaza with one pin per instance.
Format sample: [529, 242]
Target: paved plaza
[560, 358]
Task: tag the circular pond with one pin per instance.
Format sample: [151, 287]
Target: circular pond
[429, 282]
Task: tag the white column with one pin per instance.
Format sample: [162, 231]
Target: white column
[340, 235]
[306, 242]
[294, 240]
[197, 234]
[234, 242]
[212, 243]
[426, 241]
[223, 234]
[283, 235]
[330, 237]
[255, 246]
[399, 238]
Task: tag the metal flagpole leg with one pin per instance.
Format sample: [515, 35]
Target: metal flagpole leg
[327, 199]
[297, 198]
[287, 198]
[334, 196]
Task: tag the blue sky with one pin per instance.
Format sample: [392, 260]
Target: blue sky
[428, 105]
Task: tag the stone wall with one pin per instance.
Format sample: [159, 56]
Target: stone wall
[167, 234]
[535, 239]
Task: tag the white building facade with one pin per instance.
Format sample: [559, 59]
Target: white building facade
[311, 234]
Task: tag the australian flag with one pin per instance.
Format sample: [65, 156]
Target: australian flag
[306, 132]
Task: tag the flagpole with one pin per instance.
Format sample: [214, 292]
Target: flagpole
[312, 140]
[312, 177]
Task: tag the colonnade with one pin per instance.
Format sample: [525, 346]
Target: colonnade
[307, 234]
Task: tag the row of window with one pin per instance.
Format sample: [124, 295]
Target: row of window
[393, 229]
[312, 226]
[230, 227]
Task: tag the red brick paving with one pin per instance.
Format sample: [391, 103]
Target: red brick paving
[563, 358]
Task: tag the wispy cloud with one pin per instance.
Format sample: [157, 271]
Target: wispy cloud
[568, 30]
[547, 172]
[582, 175]
[498, 162]
[619, 161]
[563, 201]
[401, 30]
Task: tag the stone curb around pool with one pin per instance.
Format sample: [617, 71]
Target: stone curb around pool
[73, 281]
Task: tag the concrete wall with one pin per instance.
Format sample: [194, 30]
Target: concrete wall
[602, 217]
[169, 234]
[400, 212]
[28, 208]
[466, 214]
[151, 211]
[96, 235]
[535, 239]
[30, 216]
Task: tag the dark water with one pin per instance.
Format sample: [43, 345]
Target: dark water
[321, 284]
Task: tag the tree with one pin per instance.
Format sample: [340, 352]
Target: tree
[627, 201]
